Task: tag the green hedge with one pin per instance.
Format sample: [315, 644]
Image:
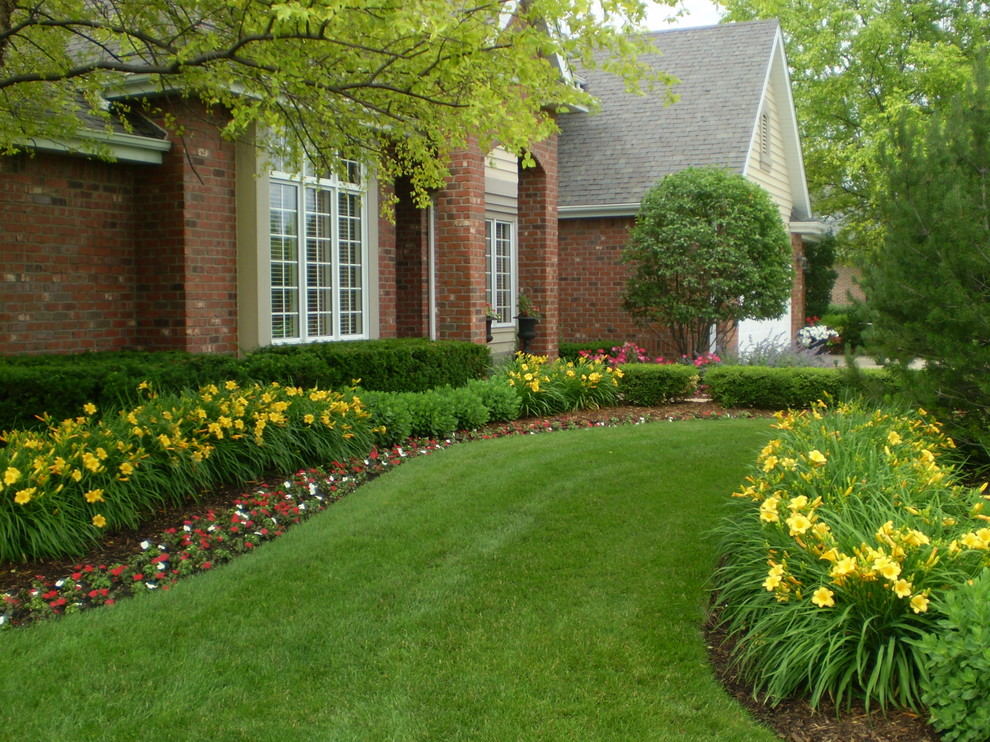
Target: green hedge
[769, 388]
[648, 385]
[399, 365]
[60, 384]
[436, 413]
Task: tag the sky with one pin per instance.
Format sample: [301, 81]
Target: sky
[700, 13]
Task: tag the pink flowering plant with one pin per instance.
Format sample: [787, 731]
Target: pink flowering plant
[630, 352]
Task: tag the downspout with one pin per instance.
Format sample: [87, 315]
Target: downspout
[431, 260]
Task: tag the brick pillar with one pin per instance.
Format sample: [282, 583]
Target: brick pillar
[187, 241]
[538, 243]
[460, 249]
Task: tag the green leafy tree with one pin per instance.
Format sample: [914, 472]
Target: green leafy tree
[397, 83]
[708, 249]
[820, 275]
[929, 287]
[856, 67]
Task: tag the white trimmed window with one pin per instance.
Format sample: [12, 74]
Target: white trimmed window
[500, 267]
[318, 255]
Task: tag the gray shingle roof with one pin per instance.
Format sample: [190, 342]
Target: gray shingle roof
[615, 156]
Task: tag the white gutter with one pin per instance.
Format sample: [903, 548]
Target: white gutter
[811, 231]
[598, 210]
[124, 147]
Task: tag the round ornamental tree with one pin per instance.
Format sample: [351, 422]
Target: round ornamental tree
[708, 249]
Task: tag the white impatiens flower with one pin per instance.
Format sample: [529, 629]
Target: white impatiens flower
[145, 545]
[815, 335]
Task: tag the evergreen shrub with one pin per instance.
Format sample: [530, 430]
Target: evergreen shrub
[391, 365]
[649, 385]
[60, 384]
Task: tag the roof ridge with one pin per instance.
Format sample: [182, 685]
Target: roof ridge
[712, 26]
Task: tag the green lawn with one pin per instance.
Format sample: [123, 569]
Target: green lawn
[545, 587]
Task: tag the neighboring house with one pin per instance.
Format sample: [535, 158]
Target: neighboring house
[204, 245]
[847, 289]
[735, 110]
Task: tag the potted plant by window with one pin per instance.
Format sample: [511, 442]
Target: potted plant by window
[491, 314]
[528, 319]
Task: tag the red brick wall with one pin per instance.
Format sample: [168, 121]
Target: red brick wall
[592, 280]
[460, 249]
[186, 245]
[846, 285]
[538, 243]
[66, 254]
[387, 293]
[105, 256]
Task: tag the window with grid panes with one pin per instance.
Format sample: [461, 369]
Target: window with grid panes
[499, 267]
[318, 255]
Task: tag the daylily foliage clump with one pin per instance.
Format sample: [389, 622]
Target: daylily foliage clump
[848, 533]
[546, 387]
[61, 487]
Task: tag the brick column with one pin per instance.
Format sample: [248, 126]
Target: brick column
[460, 249]
[538, 243]
[187, 241]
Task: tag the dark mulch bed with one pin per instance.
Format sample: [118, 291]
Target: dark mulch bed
[791, 720]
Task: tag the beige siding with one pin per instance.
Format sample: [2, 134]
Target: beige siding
[501, 181]
[776, 179]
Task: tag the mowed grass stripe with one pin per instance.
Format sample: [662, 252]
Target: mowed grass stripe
[544, 587]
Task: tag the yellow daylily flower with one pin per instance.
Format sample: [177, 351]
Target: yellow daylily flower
[902, 588]
[23, 497]
[798, 524]
[823, 598]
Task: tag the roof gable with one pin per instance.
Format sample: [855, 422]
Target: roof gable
[611, 158]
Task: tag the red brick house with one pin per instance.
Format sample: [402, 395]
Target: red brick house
[204, 245]
[735, 110]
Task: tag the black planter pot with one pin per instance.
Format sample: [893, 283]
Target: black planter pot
[527, 331]
[488, 330]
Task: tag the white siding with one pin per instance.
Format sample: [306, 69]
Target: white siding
[775, 180]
